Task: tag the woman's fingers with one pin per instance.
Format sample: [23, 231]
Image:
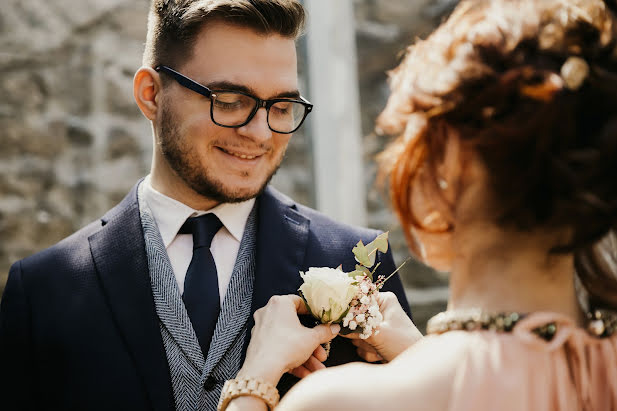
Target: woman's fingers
[325, 332]
[313, 364]
[369, 356]
[300, 305]
[300, 372]
[320, 353]
[366, 351]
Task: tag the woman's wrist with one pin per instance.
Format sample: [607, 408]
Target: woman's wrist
[264, 372]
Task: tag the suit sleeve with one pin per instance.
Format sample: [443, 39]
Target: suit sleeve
[394, 284]
[16, 372]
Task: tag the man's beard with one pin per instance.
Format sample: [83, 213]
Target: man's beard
[184, 160]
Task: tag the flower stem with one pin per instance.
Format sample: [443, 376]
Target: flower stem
[395, 271]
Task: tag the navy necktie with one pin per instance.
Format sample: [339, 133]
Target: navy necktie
[201, 286]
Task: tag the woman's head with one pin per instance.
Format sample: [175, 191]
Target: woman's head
[525, 91]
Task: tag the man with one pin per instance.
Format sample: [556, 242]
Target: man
[150, 307]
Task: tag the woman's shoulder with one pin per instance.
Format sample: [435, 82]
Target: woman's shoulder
[477, 370]
[422, 376]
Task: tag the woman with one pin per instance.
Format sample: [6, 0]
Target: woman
[504, 174]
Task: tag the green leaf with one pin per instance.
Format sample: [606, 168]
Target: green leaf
[326, 316]
[379, 243]
[363, 269]
[361, 254]
[365, 254]
[355, 273]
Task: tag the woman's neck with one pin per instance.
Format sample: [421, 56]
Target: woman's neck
[498, 272]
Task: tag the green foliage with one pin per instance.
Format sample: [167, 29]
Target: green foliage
[365, 254]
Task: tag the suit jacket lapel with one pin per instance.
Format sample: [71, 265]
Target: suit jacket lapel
[167, 298]
[118, 250]
[281, 244]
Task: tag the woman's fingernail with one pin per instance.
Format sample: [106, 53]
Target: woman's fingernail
[335, 328]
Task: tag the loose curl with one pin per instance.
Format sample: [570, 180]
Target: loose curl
[531, 87]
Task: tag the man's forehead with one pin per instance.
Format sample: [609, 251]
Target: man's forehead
[266, 63]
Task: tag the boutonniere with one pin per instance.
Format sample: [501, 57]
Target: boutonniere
[350, 299]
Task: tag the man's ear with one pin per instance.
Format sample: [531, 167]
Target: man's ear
[146, 90]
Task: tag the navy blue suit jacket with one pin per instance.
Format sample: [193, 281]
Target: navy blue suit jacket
[78, 324]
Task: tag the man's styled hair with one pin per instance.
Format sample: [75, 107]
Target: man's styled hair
[173, 25]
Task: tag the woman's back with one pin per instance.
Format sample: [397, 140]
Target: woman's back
[519, 370]
[478, 371]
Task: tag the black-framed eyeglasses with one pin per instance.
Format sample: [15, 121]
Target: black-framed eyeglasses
[235, 109]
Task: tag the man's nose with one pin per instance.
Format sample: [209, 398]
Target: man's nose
[257, 129]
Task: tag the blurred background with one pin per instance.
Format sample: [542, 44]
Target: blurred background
[73, 142]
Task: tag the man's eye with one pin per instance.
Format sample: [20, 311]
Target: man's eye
[232, 101]
[228, 105]
[282, 107]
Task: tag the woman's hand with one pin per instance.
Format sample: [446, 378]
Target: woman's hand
[396, 332]
[280, 343]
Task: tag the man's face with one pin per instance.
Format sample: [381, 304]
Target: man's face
[227, 164]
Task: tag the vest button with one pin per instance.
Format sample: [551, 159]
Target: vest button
[210, 383]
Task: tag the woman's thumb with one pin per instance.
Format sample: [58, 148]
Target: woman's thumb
[326, 332]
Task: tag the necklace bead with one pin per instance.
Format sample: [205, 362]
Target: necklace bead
[601, 324]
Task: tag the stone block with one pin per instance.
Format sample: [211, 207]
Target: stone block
[121, 143]
[23, 91]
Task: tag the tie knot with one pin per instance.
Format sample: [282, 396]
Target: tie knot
[203, 229]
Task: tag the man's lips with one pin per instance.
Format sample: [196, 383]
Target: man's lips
[242, 155]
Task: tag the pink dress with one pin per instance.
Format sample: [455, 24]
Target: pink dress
[520, 371]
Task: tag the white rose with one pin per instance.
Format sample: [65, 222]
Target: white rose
[327, 292]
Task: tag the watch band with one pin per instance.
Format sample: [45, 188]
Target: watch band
[248, 386]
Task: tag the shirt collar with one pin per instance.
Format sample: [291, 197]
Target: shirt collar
[170, 214]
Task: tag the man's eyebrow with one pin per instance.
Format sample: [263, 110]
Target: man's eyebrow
[229, 86]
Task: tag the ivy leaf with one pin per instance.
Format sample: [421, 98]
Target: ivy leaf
[361, 254]
[360, 269]
[357, 272]
[380, 243]
[365, 254]
[363, 269]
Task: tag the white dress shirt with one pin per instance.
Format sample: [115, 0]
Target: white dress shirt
[170, 214]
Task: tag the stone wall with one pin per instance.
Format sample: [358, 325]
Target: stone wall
[72, 141]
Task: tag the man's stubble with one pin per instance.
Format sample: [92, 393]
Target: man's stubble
[184, 161]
